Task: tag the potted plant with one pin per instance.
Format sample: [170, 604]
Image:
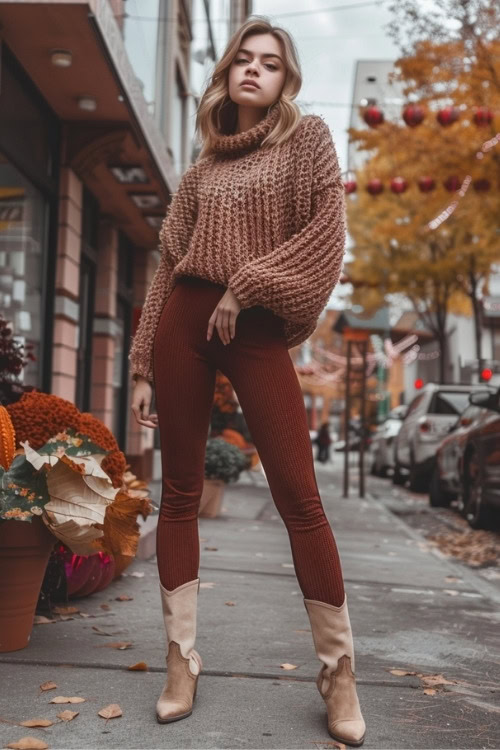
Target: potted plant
[223, 464]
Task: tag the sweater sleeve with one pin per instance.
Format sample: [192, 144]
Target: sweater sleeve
[295, 279]
[174, 237]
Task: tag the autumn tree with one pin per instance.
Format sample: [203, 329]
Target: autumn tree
[439, 266]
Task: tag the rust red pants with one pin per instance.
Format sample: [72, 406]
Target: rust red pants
[260, 369]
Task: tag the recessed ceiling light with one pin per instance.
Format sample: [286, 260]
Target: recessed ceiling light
[61, 58]
[87, 103]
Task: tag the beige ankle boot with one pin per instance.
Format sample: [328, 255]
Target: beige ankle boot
[332, 636]
[183, 661]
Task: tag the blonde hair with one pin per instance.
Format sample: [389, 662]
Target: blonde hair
[217, 113]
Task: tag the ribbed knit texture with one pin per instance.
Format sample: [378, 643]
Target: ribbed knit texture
[258, 364]
[267, 223]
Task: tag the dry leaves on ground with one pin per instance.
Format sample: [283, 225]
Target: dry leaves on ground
[28, 743]
[48, 685]
[113, 711]
[123, 598]
[67, 715]
[432, 683]
[120, 645]
[64, 699]
[36, 723]
[474, 546]
[141, 666]
[288, 666]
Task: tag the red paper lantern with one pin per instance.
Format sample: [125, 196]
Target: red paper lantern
[350, 186]
[483, 116]
[373, 116]
[375, 186]
[447, 116]
[482, 185]
[413, 115]
[398, 185]
[426, 184]
[452, 183]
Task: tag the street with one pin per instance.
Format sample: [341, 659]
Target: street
[425, 633]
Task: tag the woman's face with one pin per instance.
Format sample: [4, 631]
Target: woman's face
[259, 59]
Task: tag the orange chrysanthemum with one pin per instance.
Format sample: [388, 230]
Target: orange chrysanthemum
[38, 416]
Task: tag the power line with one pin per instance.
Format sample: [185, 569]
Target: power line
[168, 19]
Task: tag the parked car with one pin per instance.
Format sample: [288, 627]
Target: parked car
[382, 441]
[428, 420]
[468, 462]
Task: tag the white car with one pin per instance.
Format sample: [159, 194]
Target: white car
[431, 414]
[382, 441]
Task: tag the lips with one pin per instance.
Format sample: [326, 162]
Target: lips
[250, 83]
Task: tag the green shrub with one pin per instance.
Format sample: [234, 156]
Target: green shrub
[223, 460]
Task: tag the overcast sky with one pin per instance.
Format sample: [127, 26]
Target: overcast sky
[329, 44]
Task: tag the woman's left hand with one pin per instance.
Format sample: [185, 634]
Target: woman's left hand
[224, 317]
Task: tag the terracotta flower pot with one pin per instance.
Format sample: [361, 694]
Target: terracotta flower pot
[211, 498]
[24, 553]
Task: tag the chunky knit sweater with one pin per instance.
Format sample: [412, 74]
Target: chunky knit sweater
[269, 223]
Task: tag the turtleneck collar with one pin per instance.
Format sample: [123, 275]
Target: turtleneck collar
[247, 139]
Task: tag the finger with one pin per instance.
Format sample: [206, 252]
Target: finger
[211, 323]
[225, 326]
[232, 325]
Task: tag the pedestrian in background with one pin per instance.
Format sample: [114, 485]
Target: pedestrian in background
[252, 247]
[323, 441]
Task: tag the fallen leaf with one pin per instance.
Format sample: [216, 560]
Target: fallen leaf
[66, 610]
[64, 699]
[48, 685]
[400, 672]
[85, 614]
[230, 604]
[111, 712]
[100, 631]
[124, 598]
[63, 618]
[36, 723]
[120, 645]
[105, 606]
[42, 620]
[67, 715]
[288, 666]
[141, 666]
[436, 679]
[430, 691]
[28, 743]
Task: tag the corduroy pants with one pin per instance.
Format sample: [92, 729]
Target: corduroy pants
[260, 369]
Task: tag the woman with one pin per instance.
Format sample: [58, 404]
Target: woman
[252, 246]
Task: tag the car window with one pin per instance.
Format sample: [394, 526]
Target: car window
[449, 402]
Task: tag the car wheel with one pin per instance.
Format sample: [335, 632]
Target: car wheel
[418, 482]
[397, 477]
[437, 498]
[474, 510]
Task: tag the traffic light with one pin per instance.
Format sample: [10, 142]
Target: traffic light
[485, 374]
[419, 383]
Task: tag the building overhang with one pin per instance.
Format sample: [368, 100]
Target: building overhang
[117, 148]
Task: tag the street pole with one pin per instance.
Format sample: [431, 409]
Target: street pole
[364, 347]
[347, 415]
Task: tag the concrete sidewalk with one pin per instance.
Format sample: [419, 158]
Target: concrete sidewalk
[411, 610]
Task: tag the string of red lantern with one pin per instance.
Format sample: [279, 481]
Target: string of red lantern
[415, 114]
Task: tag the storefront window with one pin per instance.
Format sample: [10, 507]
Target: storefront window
[22, 239]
